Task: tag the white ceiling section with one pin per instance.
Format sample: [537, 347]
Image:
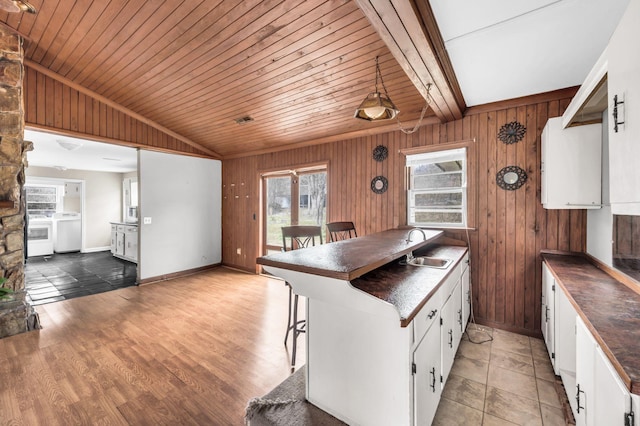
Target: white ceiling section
[88, 155]
[504, 49]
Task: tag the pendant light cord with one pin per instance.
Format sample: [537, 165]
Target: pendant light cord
[424, 110]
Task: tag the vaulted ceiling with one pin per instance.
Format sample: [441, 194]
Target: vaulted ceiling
[299, 69]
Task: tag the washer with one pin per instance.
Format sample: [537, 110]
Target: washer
[67, 232]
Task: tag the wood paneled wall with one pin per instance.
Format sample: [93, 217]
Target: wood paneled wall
[53, 106]
[509, 227]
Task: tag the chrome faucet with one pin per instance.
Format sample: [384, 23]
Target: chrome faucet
[424, 236]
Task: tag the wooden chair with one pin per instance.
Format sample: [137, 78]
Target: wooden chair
[294, 238]
[341, 231]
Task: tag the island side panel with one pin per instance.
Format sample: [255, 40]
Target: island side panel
[359, 365]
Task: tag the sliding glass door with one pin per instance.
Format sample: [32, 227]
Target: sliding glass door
[292, 197]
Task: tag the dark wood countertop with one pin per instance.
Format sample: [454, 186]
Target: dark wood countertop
[406, 287]
[609, 308]
[350, 259]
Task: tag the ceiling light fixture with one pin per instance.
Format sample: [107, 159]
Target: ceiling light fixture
[377, 106]
[14, 6]
[68, 145]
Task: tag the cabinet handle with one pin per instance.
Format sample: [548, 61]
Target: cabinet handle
[460, 317]
[432, 313]
[433, 379]
[450, 338]
[546, 314]
[578, 398]
[616, 102]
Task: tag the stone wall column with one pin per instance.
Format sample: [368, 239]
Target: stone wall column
[15, 314]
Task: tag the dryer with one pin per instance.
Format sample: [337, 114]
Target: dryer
[67, 232]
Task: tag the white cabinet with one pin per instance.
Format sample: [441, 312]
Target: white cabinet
[124, 241]
[585, 385]
[565, 341]
[624, 143]
[426, 379]
[466, 293]
[548, 313]
[450, 330]
[571, 166]
[601, 397]
[131, 243]
[72, 189]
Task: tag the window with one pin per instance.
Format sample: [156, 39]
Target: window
[42, 199]
[437, 194]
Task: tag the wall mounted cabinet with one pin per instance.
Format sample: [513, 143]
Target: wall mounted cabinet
[571, 166]
[624, 139]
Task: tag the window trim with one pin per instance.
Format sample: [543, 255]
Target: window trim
[445, 151]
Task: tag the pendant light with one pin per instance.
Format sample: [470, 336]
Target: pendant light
[13, 6]
[377, 106]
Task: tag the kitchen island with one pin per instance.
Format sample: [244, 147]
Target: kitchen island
[381, 334]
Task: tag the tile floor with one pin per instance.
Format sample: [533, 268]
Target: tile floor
[64, 276]
[507, 381]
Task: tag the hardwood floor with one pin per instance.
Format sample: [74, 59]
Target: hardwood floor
[192, 350]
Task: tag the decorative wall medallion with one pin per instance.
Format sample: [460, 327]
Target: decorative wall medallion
[511, 178]
[512, 132]
[379, 184]
[380, 153]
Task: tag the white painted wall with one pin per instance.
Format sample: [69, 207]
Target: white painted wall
[103, 201]
[183, 197]
[600, 221]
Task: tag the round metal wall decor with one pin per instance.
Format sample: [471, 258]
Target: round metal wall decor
[512, 132]
[511, 178]
[380, 153]
[379, 184]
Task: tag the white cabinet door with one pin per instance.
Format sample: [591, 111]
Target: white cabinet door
[466, 296]
[131, 243]
[565, 344]
[623, 81]
[426, 378]
[612, 399]
[571, 166]
[114, 243]
[120, 243]
[584, 392]
[449, 322]
[548, 313]
[458, 326]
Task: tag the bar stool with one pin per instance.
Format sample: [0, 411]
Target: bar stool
[298, 237]
[341, 231]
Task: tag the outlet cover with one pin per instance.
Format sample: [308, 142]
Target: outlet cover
[146, 221]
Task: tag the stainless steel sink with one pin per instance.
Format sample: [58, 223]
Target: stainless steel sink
[430, 262]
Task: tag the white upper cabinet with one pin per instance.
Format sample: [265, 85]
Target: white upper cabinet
[624, 142]
[571, 166]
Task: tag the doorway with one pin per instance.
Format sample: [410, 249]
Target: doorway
[292, 197]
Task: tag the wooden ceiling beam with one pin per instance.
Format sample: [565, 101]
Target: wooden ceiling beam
[37, 67]
[402, 26]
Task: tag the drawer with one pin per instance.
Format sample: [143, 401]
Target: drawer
[449, 284]
[427, 316]
[130, 229]
[114, 228]
[120, 228]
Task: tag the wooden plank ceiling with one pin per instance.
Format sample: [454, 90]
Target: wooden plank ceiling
[299, 69]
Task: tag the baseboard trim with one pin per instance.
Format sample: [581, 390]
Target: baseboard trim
[95, 249]
[173, 275]
[506, 327]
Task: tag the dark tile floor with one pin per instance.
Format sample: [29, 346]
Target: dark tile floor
[64, 276]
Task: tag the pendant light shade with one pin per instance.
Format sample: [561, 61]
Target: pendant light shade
[13, 6]
[377, 106]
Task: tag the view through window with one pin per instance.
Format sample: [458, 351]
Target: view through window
[293, 197]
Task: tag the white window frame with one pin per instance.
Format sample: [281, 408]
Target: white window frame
[414, 160]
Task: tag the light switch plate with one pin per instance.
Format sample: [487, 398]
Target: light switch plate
[146, 221]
